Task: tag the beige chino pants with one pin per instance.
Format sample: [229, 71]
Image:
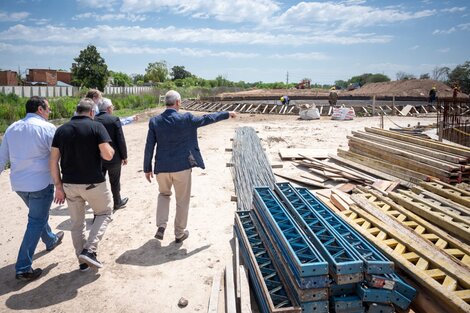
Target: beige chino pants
[181, 181]
[100, 200]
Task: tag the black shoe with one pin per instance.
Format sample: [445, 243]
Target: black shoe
[60, 236]
[182, 238]
[89, 258]
[160, 233]
[121, 204]
[29, 276]
[84, 267]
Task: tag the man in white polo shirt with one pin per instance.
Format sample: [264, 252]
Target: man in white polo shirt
[26, 146]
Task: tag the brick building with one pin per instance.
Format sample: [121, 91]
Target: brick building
[65, 77]
[8, 78]
[42, 76]
[48, 77]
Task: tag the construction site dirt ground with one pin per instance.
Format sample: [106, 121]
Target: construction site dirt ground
[142, 274]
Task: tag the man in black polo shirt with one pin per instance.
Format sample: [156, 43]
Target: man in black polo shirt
[79, 145]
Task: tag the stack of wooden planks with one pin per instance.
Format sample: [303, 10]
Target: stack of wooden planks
[319, 168]
[407, 157]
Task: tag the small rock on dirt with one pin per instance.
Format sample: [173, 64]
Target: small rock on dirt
[182, 303]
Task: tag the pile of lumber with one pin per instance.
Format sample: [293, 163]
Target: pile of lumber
[318, 168]
[407, 157]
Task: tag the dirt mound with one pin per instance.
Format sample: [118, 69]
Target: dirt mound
[402, 88]
[405, 88]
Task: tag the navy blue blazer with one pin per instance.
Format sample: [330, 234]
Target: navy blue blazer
[175, 135]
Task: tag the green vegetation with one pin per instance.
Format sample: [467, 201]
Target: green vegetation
[90, 69]
[460, 76]
[120, 79]
[12, 107]
[361, 80]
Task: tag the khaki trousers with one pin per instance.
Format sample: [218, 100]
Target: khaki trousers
[99, 198]
[181, 181]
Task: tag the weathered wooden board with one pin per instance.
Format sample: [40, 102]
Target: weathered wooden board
[299, 153]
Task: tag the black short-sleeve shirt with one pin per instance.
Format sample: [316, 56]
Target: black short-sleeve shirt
[78, 141]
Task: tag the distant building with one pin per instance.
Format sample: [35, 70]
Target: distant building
[8, 78]
[47, 77]
[65, 77]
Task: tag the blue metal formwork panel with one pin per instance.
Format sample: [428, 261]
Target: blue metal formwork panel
[302, 257]
[374, 294]
[268, 286]
[380, 308]
[374, 261]
[346, 304]
[403, 294]
[402, 287]
[319, 294]
[341, 260]
[309, 282]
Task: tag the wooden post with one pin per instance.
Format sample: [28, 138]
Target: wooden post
[373, 106]
[440, 130]
[393, 106]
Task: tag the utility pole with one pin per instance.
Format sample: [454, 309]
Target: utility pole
[287, 78]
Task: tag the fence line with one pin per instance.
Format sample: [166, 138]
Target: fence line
[42, 91]
[54, 91]
[134, 90]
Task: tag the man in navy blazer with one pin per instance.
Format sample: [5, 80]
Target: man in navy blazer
[177, 152]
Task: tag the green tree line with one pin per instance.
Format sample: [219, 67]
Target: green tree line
[90, 70]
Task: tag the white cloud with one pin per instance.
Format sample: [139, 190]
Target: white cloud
[461, 27]
[454, 9]
[300, 56]
[110, 17]
[41, 21]
[444, 50]
[106, 34]
[98, 4]
[188, 52]
[13, 16]
[444, 31]
[414, 47]
[39, 50]
[139, 50]
[223, 10]
[342, 17]
[465, 26]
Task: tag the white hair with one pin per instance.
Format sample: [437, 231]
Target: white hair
[171, 97]
[104, 104]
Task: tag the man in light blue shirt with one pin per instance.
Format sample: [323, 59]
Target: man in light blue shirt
[26, 145]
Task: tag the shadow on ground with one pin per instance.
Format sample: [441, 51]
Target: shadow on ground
[152, 253]
[58, 289]
[8, 282]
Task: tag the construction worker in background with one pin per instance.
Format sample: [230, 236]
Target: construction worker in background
[432, 95]
[285, 100]
[455, 92]
[333, 96]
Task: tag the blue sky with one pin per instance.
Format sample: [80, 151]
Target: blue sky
[249, 40]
